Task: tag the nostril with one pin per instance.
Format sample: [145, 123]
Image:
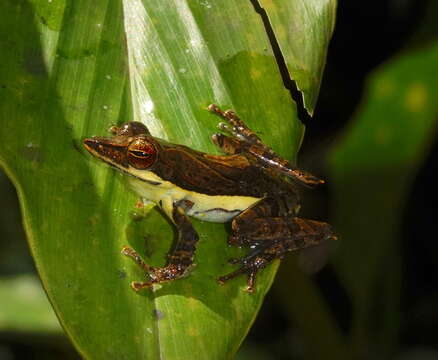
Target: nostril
[90, 144]
[87, 142]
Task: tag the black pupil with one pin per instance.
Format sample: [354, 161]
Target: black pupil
[139, 153]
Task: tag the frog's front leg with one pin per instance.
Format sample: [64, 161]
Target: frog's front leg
[238, 129]
[249, 142]
[228, 145]
[179, 260]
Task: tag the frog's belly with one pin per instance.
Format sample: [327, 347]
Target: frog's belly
[218, 208]
[214, 208]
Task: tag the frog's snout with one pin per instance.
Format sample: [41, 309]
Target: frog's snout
[106, 150]
[90, 144]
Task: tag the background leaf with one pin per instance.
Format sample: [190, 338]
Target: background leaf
[373, 168]
[73, 68]
[303, 30]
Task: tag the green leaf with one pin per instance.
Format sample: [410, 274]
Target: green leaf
[303, 29]
[71, 69]
[373, 168]
[322, 337]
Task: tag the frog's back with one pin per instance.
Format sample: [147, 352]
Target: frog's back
[216, 175]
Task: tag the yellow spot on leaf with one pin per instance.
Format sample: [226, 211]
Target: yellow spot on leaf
[255, 74]
[267, 4]
[281, 33]
[192, 303]
[192, 331]
[416, 97]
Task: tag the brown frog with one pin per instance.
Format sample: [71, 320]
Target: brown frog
[251, 186]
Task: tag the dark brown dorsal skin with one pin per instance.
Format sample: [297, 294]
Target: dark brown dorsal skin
[215, 175]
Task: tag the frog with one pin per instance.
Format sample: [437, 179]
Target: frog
[250, 186]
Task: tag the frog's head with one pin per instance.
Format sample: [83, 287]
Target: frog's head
[131, 147]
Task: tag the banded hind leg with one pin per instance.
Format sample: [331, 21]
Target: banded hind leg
[179, 261]
[246, 140]
[271, 231]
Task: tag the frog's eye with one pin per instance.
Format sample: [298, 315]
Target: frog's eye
[141, 154]
[131, 128]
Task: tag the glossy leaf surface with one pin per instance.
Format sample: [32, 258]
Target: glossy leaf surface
[73, 68]
[303, 29]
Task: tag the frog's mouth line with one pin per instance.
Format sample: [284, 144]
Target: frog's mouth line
[114, 166]
[156, 183]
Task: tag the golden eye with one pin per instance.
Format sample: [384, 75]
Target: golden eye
[141, 154]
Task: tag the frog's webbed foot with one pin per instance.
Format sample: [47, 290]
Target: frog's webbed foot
[249, 265]
[134, 255]
[156, 274]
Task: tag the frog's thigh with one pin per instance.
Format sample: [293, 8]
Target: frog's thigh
[266, 208]
[293, 232]
[305, 233]
[272, 219]
[244, 225]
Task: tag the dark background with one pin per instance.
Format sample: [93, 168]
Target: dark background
[367, 33]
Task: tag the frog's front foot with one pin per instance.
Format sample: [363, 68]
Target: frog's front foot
[237, 240]
[156, 275]
[250, 267]
[235, 126]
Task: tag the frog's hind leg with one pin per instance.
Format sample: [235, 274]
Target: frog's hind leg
[302, 234]
[255, 222]
[263, 153]
[271, 229]
[179, 261]
[250, 268]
